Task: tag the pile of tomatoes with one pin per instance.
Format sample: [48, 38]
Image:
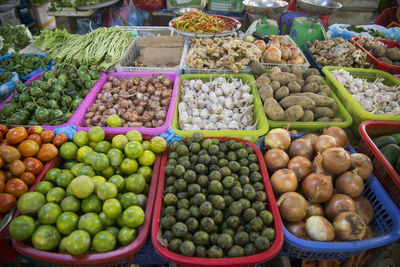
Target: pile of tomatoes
[22, 157]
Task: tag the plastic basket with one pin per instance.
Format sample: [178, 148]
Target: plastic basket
[242, 261]
[119, 130]
[357, 112]
[384, 171]
[75, 116]
[8, 87]
[133, 51]
[251, 135]
[379, 64]
[184, 3]
[385, 226]
[147, 31]
[120, 257]
[226, 5]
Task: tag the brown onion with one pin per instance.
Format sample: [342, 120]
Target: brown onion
[350, 183]
[324, 142]
[336, 160]
[312, 138]
[317, 187]
[272, 55]
[318, 228]
[338, 133]
[337, 204]
[292, 207]
[286, 53]
[284, 180]
[364, 209]
[277, 138]
[317, 164]
[301, 166]
[362, 164]
[297, 229]
[349, 226]
[276, 159]
[301, 147]
[314, 209]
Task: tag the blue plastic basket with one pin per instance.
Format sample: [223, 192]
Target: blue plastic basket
[8, 87]
[385, 226]
[310, 57]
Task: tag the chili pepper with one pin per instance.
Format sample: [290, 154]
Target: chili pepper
[197, 21]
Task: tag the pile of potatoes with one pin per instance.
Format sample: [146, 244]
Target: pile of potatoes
[292, 94]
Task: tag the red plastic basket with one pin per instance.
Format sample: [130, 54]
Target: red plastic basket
[383, 170]
[150, 4]
[379, 64]
[119, 257]
[242, 261]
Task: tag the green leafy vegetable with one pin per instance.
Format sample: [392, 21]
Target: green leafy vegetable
[5, 77]
[14, 38]
[373, 32]
[23, 64]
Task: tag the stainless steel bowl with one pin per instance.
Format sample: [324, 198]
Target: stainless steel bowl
[184, 10]
[319, 7]
[272, 9]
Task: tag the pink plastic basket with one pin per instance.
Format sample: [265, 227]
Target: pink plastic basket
[92, 96]
[75, 116]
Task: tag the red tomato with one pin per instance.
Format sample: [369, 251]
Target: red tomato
[35, 130]
[33, 165]
[16, 135]
[2, 186]
[3, 129]
[36, 138]
[7, 202]
[60, 139]
[17, 187]
[47, 152]
[28, 148]
[28, 177]
[17, 167]
[47, 136]
[3, 176]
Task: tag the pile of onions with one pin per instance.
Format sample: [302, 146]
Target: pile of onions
[319, 185]
[279, 50]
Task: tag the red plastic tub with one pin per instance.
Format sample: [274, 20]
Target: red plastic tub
[242, 261]
[90, 99]
[379, 64]
[120, 257]
[384, 171]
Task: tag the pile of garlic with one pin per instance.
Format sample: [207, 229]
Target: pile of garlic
[221, 104]
[375, 97]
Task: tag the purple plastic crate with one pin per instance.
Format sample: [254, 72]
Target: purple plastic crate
[75, 116]
[121, 130]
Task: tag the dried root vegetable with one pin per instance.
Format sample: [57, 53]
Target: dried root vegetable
[380, 51]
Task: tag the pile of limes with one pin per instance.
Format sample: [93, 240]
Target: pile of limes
[95, 202]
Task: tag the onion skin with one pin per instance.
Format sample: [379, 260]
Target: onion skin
[338, 133]
[337, 204]
[362, 164]
[301, 166]
[272, 55]
[297, 229]
[292, 207]
[317, 187]
[284, 180]
[349, 226]
[278, 138]
[336, 160]
[364, 209]
[350, 183]
[312, 138]
[276, 159]
[324, 142]
[301, 147]
[315, 209]
[286, 53]
[319, 229]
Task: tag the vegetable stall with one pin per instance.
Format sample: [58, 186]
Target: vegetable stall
[204, 143]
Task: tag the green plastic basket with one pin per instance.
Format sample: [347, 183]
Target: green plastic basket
[250, 135]
[226, 5]
[185, 3]
[357, 112]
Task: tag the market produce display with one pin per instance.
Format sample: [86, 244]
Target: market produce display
[373, 32]
[389, 145]
[96, 202]
[200, 22]
[14, 38]
[221, 104]
[60, 4]
[99, 50]
[292, 94]
[380, 51]
[23, 154]
[5, 77]
[221, 53]
[375, 97]
[23, 64]
[338, 52]
[329, 205]
[214, 203]
[50, 100]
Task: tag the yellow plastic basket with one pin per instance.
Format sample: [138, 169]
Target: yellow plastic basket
[251, 135]
[357, 112]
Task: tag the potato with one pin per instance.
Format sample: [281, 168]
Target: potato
[273, 110]
[336, 120]
[266, 91]
[325, 88]
[283, 78]
[323, 119]
[294, 87]
[285, 69]
[320, 112]
[281, 93]
[315, 79]
[275, 85]
[320, 100]
[274, 69]
[257, 68]
[296, 70]
[311, 71]
[308, 116]
[322, 93]
[301, 82]
[263, 79]
[293, 113]
[333, 106]
[311, 87]
[302, 101]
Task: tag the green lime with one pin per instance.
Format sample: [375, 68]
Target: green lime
[147, 158]
[133, 216]
[129, 166]
[147, 172]
[129, 199]
[134, 135]
[158, 144]
[22, 227]
[135, 183]
[119, 141]
[112, 208]
[98, 180]
[146, 145]
[133, 149]
[104, 241]
[81, 138]
[30, 202]
[52, 175]
[78, 242]
[106, 190]
[86, 170]
[55, 195]
[62, 247]
[89, 157]
[70, 203]
[91, 223]
[103, 147]
[114, 121]
[100, 162]
[96, 134]
[43, 187]
[127, 235]
[49, 213]
[76, 168]
[68, 164]
[118, 181]
[92, 144]
[64, 179]
[91, 204]
[107, 173]
[113, 230]
[106, 220]
[68, 150]
[46, 237]
[115, 156]
[82, 152]
[81, 186]
[67, 222]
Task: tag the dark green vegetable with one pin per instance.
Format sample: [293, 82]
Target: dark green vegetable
[391, 153]
[23, 64]
[373, 32]
[384, 141]
[5, 77]
[13, 38]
